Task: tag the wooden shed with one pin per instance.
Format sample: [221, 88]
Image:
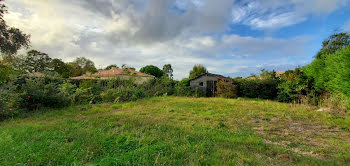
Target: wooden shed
[206, 83]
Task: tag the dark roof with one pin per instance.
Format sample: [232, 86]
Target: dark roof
[220, 77]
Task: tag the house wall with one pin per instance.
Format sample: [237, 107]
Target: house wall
[195, 83]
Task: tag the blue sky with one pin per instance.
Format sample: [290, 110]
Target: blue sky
[229, 37]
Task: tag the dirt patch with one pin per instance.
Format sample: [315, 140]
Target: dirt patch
[302, 137]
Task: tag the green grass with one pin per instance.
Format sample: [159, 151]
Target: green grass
[178, 131]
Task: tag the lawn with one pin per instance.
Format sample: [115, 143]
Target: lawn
[178, 131]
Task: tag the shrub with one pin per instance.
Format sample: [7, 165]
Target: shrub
[226, 89]
[83, 96]
[5, 73]
[158, 87]
[294, 86]
[9, 101]
[182, 88]
[41, 92]
[68, 90]
[128, 94]
[257, 88]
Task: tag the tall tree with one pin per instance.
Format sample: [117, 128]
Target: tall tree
[86, 64]
[197, 71]
[36, 61]
[334, 43]
[168, 71]
[152, 70]
[11, 39]
[57, 65]
[80, 66]
[330, 46]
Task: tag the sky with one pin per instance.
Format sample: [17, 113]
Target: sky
[229, 37]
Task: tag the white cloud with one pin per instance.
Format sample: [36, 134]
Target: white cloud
[274, 14]
[139, 33]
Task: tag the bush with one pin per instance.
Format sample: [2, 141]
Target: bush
[226, 89]
[335, 100]
[9, 101]
[182, 88]
[5, 73]
[128, 94]
[295, 86]
[158, 87]
[41, 92]
[257, 88]
[68, 90]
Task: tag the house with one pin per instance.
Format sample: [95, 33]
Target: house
[113, 73]
[206, 83]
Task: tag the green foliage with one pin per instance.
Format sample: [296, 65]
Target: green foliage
[80, 66]
[152, 70]
[257, 88]
[330, 69]
[124, 66]
[159, 87]
[36, 61]
[337, 71]
[9, 101]
[58, 66]
[6, 72]
[263, 86]
[294, 86]
[48, 95]
[334, 43]
[226, 89]
[11, 39]
[128, 94]
[168, 71]
[109, 67]
[197, 71]
[182, 88]
[30, 94]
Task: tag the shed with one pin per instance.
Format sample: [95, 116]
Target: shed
[206, 83]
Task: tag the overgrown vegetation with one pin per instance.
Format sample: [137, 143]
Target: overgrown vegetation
[178, 131]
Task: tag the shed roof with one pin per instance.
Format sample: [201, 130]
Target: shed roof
[220, 77]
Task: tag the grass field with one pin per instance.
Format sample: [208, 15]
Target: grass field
[178, 131]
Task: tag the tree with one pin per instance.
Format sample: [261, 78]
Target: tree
[330, 46]
[86, 64]
[111, 66]
[197, 71]
[334, 43]
[152, 70]
[11, 39]
[168, 71]
[36, 61]
[57, 65]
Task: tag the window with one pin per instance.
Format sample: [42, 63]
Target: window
[201, 84]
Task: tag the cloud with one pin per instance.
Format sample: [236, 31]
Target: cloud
[158, 32]
[275, 14]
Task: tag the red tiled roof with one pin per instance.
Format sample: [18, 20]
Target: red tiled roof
[112, 73]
